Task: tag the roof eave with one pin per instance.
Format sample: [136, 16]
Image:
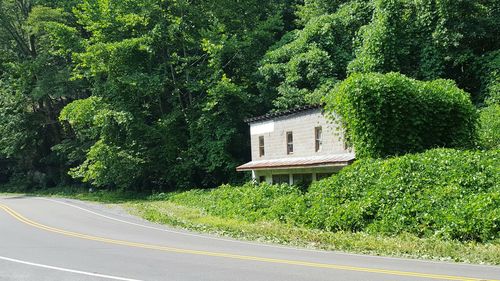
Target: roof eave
[298, 166]
[269, 116]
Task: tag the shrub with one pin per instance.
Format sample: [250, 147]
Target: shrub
[249, 202]
[391, 114]
[443, 192]
[489, 116]
[489, 129]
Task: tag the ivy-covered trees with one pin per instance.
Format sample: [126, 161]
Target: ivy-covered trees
[425, 40]
[390, 114]
[152, 94]
[489, 130]
[175, 81]
[429, 39]
[35, 69]
[306, 63]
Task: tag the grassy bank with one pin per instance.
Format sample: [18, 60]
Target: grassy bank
[165, 211]
[440, 194]
[402, 245]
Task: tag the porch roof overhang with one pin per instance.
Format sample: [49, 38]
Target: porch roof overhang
[332, 160]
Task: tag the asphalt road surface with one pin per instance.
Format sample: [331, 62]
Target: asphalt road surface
[59, 239]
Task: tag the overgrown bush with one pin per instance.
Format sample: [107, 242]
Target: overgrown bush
[489, 116]
[443, 192]
[489, 130]
[391, 114]
[249, 202]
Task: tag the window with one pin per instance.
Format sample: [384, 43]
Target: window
[347, 146]
[289, 142]
[262, 179]
[318, 132]
[320, 176]
[261, 146]
[347, 143]
[279, 179]
[302, 180]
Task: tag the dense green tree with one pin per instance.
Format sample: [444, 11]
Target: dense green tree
[425, 39]
[175, 80]
[429, 39]
[35, 67]
[152, 94]
[390, 114]
[315, 8]
[489, 131]
[306, 63]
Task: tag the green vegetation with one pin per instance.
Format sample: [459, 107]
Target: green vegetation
[249, 202]
[402, 245]
[161, 210]
[442, 204]
[390, 114]
[489, 132]
[443, 193]
[153, 93]
[400, 206]
[305, 63]
[150, 95]
[139, 97]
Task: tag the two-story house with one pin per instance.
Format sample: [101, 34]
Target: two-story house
[296, 147]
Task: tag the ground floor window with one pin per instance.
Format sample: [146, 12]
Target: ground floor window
[302, 180]
[279, 179]
[320, 176]
[262, 179]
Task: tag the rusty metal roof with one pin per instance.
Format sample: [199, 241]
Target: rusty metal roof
[299, 162]
[272, 115]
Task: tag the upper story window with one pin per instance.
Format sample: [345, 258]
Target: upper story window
[261, 146]
[289, 142]
[347, 145]
[318, 133]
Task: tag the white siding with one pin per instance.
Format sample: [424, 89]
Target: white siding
[302, 124]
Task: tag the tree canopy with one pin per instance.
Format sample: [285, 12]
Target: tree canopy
[151, 94]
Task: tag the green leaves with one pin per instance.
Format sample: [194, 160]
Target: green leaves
[170, 86]
[109, 20]
[35, 70]
[443, 193]
[422, 40]
[109, 166]
[248, 202]
[308, 61]
[489, 129]
[390, 114]
[112, 159]
[169, 83]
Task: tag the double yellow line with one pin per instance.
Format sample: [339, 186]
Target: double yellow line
[233, 256]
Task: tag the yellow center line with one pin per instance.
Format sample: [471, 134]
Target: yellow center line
[235, 256]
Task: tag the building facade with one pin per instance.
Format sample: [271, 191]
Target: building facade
[296, 147]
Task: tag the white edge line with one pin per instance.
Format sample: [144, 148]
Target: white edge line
[67, 270]
[179, 232]
[268, 245]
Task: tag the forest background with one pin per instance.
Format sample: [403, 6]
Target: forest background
[151, 95]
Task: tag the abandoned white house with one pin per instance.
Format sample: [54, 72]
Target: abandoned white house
[296, 147]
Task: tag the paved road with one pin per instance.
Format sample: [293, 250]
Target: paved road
[59, 239]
